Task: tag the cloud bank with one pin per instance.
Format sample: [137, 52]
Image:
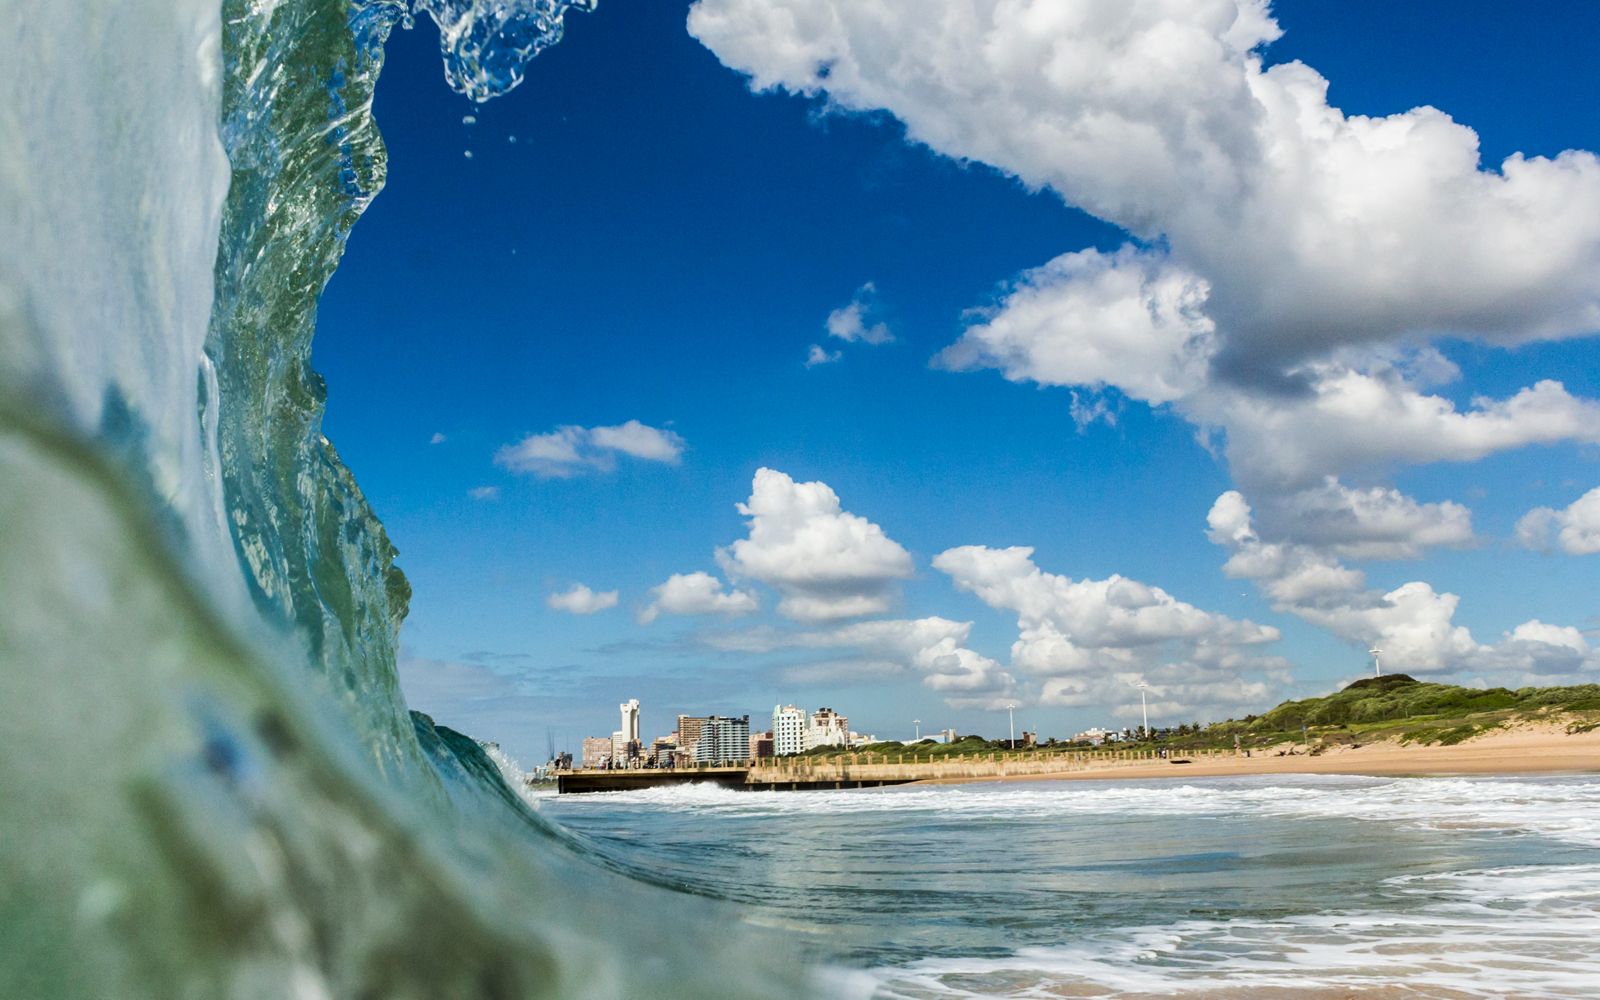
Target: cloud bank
[570, 450]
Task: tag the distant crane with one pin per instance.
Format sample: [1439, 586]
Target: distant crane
[1377, 665]
[1144, 686]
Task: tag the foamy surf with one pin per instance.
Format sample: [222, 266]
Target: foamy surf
[1271, 887]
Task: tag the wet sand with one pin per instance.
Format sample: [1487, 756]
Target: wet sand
[1529, 749]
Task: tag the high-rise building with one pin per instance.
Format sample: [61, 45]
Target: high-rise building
[788, 730]
[689, 727]
[630, 720]
[596, 751]
[723, 740]
[760, 745]
[827, 729]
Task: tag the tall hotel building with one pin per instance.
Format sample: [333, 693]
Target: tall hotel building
[788, 730]
[723, 740]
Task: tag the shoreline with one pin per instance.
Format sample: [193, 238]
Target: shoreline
[1538, 749]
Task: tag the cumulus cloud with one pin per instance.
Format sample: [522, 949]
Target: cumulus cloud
[934, 649]
[857, 321]
[1093, 319]
[1310, 226]
[1349, 419]
[1090, 639]
[817, 355]
[827, 563]
[571, 450]
[1365, 524]
[580, 600]
[1576, 527]
[696, 593]
[1413, 624]
[1292, 260]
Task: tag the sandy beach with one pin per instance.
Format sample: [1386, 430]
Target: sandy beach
[1536, 748]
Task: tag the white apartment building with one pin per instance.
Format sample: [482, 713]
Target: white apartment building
[630, 720]
[788, 730]
[827, 729]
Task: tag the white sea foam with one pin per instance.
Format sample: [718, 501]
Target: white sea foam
[1523, 931]
[1566, 809]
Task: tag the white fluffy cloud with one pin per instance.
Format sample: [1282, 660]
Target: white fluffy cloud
[1576, 527]
[1311, 227]
[827, 563]
[818, 355]
[697, 593]
[1349, 419]
[934, 649]
[1374, 523]
[571, 450]
[1089, 640]
[1413, 624]
[1093, 319]
[857, 321]
[580, 600]
[1290, 247]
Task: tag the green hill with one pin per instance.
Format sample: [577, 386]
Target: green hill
[1398, 706]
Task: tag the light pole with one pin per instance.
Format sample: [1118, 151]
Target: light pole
[1144, 708]
[1377, 665]
[1011, 717]
[918, 724]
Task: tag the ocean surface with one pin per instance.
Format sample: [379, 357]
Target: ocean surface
[1250, 886]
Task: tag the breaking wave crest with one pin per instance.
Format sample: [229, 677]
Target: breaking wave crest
[212, 784]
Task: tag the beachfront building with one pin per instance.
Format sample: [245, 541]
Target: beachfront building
[760, 745]
[688, 733]
[663, 750]
[827, 729]
[630, 720]
[723, 740]
[596, 751]
[788, 730]
[1093, 737]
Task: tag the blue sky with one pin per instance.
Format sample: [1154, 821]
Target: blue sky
[637, 236]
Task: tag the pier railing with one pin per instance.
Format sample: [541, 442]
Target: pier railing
[923, 767]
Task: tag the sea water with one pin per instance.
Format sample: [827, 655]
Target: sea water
[1249, 886]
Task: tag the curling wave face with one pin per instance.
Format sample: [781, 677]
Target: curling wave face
[212, 785]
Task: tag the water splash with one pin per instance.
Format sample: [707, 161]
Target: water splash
[487, 45]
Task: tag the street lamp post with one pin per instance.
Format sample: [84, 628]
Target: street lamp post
[1377, 665]
[1011, 717]
[918, 724]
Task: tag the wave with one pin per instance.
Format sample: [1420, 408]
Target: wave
[212, 784]
[1567, 810]
[1520, 931]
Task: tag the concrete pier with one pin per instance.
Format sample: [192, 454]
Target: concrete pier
[871, 770]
